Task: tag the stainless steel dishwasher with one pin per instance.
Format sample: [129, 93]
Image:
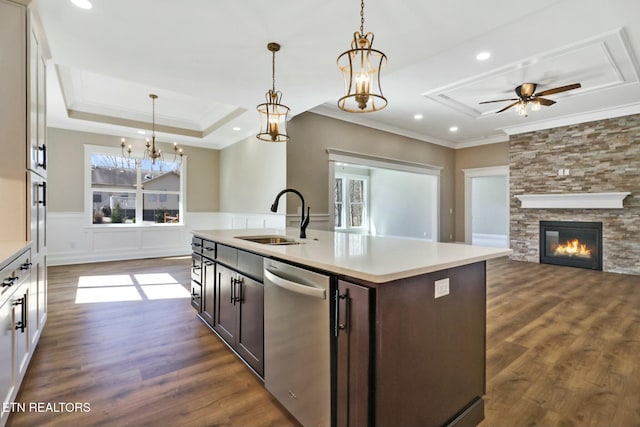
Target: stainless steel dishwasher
[297, 344]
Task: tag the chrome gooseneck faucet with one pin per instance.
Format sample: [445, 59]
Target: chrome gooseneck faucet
[304, 219]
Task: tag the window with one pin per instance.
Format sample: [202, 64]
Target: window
[351, 202]
[133, 191]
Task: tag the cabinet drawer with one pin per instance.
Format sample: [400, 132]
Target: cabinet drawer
[208, 248]
[250, 265]
[196, 245]
[227, 255]
[16, 272]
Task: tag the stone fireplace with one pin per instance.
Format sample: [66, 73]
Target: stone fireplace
[601, 157]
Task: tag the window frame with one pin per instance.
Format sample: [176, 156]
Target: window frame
[346, 203]
[138, 191]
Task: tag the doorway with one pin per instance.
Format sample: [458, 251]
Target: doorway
[487, 206]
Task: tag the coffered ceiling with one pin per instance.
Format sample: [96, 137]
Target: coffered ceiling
[208, 63]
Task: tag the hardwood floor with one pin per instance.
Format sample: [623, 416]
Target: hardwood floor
[563, 348]
[147, 362]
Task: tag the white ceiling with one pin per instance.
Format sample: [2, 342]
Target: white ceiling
[208, 63]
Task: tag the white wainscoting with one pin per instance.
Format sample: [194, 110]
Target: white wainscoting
[71, 241]
[316, 221]
[493, 240]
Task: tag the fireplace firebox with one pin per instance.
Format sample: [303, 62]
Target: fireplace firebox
[571, 243]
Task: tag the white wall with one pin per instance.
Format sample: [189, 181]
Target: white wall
[402, 203]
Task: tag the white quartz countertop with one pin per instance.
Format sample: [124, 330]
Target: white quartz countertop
[372, 258]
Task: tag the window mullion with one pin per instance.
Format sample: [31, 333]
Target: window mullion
[139, 193]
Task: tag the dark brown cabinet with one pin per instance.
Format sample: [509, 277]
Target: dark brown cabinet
[239, 317]
[353, 365]
[208, 290]
[228, 294]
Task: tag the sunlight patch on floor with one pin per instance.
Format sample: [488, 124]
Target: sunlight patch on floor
[127, 287]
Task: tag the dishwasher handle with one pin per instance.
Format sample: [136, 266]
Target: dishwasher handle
[295, 287]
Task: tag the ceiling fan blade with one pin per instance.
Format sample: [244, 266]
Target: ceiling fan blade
[499, 100]
[559, 89]
[544, 101]
[507, 107]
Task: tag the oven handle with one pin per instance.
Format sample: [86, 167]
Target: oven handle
[295, 287]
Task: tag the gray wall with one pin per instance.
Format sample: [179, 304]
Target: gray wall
[308, 165]
[65, 149]
[252, 172]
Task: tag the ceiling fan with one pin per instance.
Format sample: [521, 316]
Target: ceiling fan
[526, 95]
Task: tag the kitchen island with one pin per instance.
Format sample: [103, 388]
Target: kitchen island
[406, 320]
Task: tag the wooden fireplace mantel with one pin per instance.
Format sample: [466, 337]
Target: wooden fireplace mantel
[573, 200]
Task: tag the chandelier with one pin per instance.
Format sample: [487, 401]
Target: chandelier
[151, 152]
[273, 114]
[360, 68]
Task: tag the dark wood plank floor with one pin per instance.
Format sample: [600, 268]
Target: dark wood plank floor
[563, 349]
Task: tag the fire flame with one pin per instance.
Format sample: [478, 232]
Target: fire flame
[573, 248]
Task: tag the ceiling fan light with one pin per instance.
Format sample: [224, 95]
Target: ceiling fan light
[535, 105]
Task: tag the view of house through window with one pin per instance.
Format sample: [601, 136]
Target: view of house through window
[134, 191]
[351, 205]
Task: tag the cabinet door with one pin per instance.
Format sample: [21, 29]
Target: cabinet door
[353, 359]
[6, 354]
[196, 296]
[250, 306]
[208, 286]
[225, 309]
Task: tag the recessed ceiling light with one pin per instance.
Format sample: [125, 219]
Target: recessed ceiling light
[82, 4]
[453, 129]
[236, 128]
[417, 116]
[483, 56]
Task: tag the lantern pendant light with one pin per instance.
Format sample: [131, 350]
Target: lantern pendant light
[273, 114]
[360, 68]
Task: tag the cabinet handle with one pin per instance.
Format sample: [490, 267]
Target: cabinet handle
[26, 266]
[194, 296]
[233, 291]
[341, 326]
[207, 248]
[239, 296]
[43, 200]
[22, 323]
[43, 165]
[9, 281]
[197, 245]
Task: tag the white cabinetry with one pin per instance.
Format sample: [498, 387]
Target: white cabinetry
[15, 343]
[23, 185]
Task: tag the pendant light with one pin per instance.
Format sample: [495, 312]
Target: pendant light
[273, 114]
[360, 68]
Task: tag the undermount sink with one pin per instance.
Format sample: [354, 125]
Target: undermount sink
[270, 240]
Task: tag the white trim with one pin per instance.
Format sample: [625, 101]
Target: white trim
[336, 155]
[475, 173]
[573, 200]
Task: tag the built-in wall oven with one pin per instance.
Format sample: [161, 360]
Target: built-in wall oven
[297, 352]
